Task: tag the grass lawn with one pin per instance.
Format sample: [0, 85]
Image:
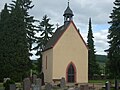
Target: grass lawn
[100, 81]
[97, 81]
[1, 86]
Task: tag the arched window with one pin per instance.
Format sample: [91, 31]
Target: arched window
[71, 73]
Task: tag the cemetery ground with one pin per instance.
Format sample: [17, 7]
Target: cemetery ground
[97, 84]
[1, 86]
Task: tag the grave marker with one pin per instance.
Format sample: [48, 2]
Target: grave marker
[62, 82]
[12, 87]
[34, 78]
[26, 84]
[38, 83]
[116, 85]
[48, 86]
[107, 85]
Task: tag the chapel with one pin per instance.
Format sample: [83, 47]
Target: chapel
[66, 53]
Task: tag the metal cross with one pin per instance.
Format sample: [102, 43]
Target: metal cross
[68, 2]
[57, 25]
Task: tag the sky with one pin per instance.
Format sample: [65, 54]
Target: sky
[98, 10]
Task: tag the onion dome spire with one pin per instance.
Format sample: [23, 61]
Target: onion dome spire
[68, 14]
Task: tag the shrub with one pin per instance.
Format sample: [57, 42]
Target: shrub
[7, 84]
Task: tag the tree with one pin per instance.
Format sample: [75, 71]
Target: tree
[4, 43]
[24, 31]
[29, 20]
[93, 67]
[19, 44]
[114, 42]
[18, 40]
[46, 30]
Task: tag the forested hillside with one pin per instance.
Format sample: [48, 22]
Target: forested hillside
[101, 58]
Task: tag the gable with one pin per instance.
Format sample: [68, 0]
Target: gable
[71, 37]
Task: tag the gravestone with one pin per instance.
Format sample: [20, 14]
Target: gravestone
[84, 87]
[116, 85]
[38, 83]
[35, 87]
[48, 86]
[34, 78]
[107, 85]
[62, 82]
[12, 87]
[26, 84]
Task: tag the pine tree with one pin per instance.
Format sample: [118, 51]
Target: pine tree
[16, 35]
[29, 20]
[93, 67]
[24, 31]
[19, 48]
[4, 43]
[114, 42]
[46, 30]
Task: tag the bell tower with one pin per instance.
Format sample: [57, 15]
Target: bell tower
[68, 14]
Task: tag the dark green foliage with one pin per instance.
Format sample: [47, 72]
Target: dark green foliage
[20, 52]
[101, 58]
[7, 84]
[46, 30]
[93, 66]
[34, 67]
[5, 48]
[113, 64]
[16, 36]
[30, 28]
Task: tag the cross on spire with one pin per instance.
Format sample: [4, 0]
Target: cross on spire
[68, 2]
[57, 25]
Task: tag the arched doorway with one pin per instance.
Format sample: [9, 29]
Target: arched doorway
[71, 73]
